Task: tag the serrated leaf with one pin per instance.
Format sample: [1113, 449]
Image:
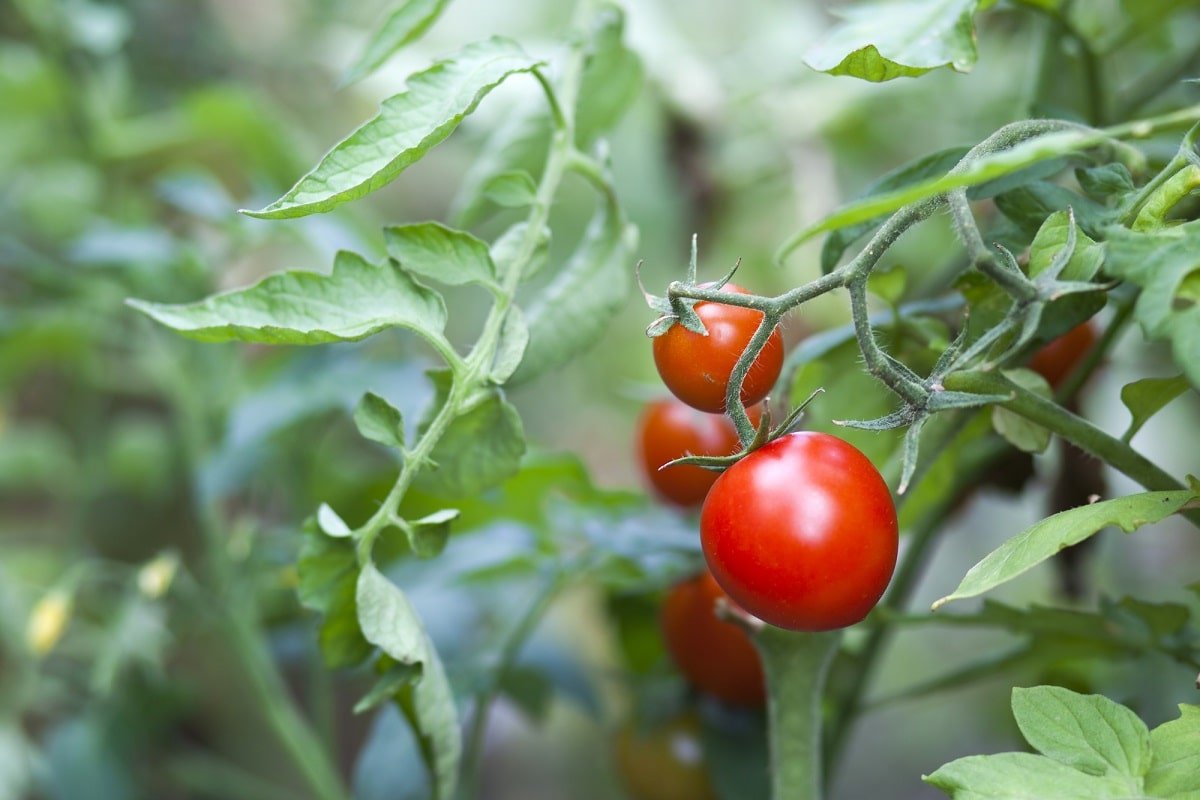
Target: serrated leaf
[408, 126]
[906, 38]
[330, 523]
[1021, 776]
[1161, 263]
[1147, 397]
[1020, 432]
[389, 622]
[933, 165]
[1106, 182]
[1038, 543]
[480, 448]
[1083, 265]
[1029, 205]
[611, 80]
[1175, 766]
[356, 300]
[379, 421]
[514, 338]
[1089, 733]
[511, 189]
[404, 25]
[572, 312]
[444, 254]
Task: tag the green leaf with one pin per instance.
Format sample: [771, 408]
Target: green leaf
[934, 165]
[1085, 262]
[514, 338]
[1147, 397]
[328, 570]
[1020, 432]
[1021, 776]
[1107, 182]
[394, 678]
[1089, 733]
[481, 447]
[511, 189]
[611, 80]
[389, 622]
[1175, 766]
[356, 300]
[1026, 154]
[1029, 205]
[408, 126]
[1161, 263]
[428, 535]
[404, 25]
[379, 421]
[518, 144]
[530, 689]
[1038, 543]
[574, 310]
[905, 38]
[330, 523]
[446, 255]
[888, 284]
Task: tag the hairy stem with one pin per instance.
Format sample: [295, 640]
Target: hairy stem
[795, 665]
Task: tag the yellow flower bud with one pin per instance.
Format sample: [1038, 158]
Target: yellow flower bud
[48, 622]
[154, 579]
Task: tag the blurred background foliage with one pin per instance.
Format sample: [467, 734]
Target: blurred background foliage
[130, 132]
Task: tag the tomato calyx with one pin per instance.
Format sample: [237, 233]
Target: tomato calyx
[674, 308]
[763, 434]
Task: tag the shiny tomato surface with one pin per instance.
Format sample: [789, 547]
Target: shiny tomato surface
[697, 368]
[668, 430]
[717, 657]
[802, 533]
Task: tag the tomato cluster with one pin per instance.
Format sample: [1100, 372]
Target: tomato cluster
[801, 532]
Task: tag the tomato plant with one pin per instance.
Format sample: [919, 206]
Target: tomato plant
[669, 429]
[293, 510]
[802, 533]
[715, 655]
[697, 367]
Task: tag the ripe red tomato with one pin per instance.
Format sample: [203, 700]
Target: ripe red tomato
[668, 430]
[717, 657]
[697, 368]
[666, 763]
[802, 532]
[1055, 361]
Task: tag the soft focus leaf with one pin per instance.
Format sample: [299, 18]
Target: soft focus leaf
[405, 24]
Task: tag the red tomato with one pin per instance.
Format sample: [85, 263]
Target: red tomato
[717, 657]
[697, 368]
[1055, 361]
[668, 430]
[666, 763]
[802, 533]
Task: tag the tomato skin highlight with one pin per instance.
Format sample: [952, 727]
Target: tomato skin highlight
[669, 429]
[716, 656]
[696, 368]
[802, 533]
[666, 763]
[1055, 360]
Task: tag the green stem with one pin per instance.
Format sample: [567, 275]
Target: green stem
[795, 665]
[513, 642]
[239, 618]
[1071, 427]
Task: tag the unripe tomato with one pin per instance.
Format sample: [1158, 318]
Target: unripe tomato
[802, 532]
[696, 368]
[664, 764]
[1055, 361]
[717, 657]
[668, 430]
